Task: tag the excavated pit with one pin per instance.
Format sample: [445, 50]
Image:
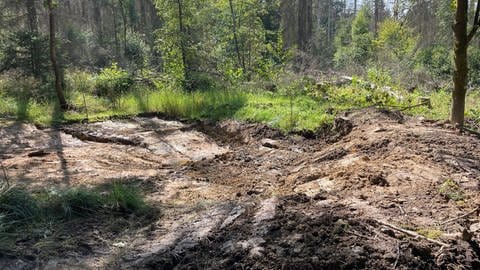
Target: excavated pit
[242, 196]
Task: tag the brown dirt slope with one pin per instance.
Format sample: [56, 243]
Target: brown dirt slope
[242, 196]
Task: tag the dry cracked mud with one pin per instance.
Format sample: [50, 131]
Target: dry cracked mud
[233, 195]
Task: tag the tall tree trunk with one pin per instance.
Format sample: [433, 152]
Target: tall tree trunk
[125, 21]
[53, 57]
[304, 16]
[309, 16]
[97, 18]
[461, 64]
[143, 17]
[241, 62]
[460, 77]
[181, 28]
[32, 16]
[377, 16]
[355, 7]
[289, 22]
[329, 22]
[115, 32]
[33, 28]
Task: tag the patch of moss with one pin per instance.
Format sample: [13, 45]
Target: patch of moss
[451, 191]
[430, 233]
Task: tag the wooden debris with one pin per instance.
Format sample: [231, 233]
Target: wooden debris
[39, 153]
[413, 234]
[476, 210]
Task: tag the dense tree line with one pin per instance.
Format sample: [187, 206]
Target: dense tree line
[195, 43]
[90, 34]
[222, 37]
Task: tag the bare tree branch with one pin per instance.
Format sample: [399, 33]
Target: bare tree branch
[476, 23]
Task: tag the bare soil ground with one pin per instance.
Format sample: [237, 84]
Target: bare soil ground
[232, 195]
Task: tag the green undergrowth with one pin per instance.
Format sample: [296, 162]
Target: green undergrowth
[24, 213]
[431, 233]
[450, 190]
[303, 108]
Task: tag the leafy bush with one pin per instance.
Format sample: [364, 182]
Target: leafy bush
[395, 42]
[21, 49]
[199, 81]
[80, 80]
[379, 77]
[136, 50]
[19, 86]
[101, 56]
[112, 82]
[436, 59]
[230, 73]
[359, 49]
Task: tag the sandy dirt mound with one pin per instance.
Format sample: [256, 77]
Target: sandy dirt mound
[243, 196]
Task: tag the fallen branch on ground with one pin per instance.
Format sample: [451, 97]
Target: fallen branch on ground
[95, 137]
[398, 256]
[402, 108]
[476, 210]
[413, 234]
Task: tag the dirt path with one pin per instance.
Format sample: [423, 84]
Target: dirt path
[242, 196]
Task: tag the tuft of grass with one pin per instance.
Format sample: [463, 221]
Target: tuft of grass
[126, 199]
[80, 202]
[18, 211]
[21, 213]
[17, 208]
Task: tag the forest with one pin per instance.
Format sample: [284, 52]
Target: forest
[239, 134]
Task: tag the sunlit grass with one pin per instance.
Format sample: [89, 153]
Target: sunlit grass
[284, 112]
[440, 106]
[287, 112]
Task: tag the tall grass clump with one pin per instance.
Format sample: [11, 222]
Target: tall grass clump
[126, 199]
[212, 104]
[76, 202]
[21, 212]
[17, 208]
[18, 212]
